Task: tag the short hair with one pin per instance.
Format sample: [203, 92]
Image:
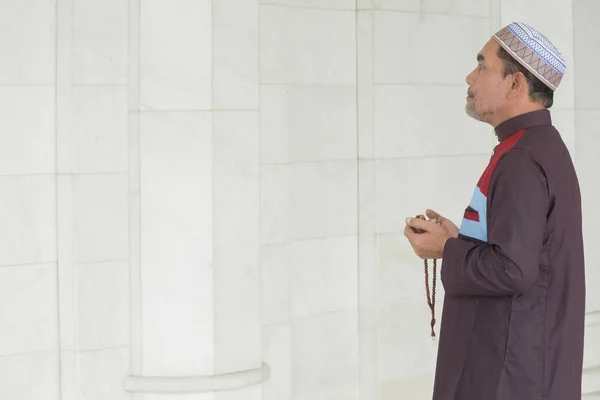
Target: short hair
[538, 91]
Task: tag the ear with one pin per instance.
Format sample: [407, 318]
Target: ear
[519, 84]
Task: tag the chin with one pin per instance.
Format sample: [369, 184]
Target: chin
[473, 113]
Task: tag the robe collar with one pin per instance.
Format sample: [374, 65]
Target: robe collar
[523, 121]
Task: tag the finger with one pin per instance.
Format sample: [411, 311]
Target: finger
[419, 223]
[432, 214]
[411, 236]
[409, 233]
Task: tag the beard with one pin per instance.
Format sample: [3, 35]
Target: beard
[484, 114]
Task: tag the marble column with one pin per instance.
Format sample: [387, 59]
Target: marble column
[194, 200]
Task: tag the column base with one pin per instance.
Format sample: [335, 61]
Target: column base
[197, 384]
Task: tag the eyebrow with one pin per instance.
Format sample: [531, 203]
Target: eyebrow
[480, 57]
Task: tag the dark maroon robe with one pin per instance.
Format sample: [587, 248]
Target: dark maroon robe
[513, 318]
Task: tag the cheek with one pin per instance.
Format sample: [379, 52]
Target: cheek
[490, 94]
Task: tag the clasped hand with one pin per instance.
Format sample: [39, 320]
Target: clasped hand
[430, 244]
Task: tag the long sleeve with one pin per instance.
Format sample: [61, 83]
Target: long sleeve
[509, 262]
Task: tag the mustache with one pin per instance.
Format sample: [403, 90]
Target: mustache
[470, 93]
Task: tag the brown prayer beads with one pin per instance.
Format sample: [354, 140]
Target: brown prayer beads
[430, 293]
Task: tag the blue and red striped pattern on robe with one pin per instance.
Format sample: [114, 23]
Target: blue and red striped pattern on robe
[474, 223]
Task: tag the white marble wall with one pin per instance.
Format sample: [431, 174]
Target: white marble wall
[309, 229]
[92, 197]
[29, 342]
[587, 142]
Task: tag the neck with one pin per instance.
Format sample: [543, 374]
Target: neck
[511, 112]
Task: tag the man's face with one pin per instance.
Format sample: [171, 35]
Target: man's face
[487, 85]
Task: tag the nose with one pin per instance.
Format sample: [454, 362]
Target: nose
[469, 79]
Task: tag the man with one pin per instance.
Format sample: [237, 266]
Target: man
[513, 318]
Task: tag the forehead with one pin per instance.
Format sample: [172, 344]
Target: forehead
[490, 51]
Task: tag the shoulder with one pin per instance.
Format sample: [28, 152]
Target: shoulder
[519, 167]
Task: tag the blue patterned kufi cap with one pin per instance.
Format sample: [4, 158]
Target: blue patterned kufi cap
[534, 52]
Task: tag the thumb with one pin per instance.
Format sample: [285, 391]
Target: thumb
[432, 214]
